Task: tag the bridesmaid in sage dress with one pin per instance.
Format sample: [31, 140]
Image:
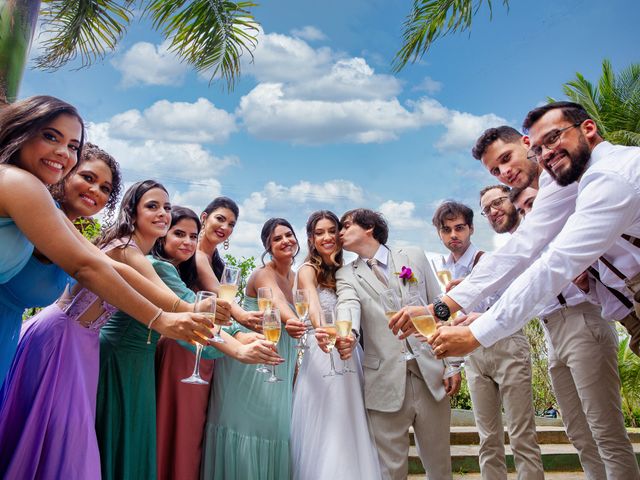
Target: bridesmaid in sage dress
[248, 425]
[48, 399]
[182, 408]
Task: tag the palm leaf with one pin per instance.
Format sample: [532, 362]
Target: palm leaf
[430, 20]
[88, 28]
[210, 35]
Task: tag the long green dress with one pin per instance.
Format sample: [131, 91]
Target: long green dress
[248, 425]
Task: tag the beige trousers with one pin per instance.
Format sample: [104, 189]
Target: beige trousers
[583, 364]
[430, 420]
[501, 376]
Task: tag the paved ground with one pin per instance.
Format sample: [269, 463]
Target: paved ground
[512, 476]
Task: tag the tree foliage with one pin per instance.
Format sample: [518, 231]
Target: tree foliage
[614, 102]
[209, 35]
[430, 20]
[246, 266]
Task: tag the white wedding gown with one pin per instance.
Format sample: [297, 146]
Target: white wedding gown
[330, 437]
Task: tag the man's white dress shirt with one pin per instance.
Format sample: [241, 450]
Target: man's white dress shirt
[608, 205]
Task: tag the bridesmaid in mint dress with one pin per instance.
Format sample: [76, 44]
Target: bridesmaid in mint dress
[247, 433]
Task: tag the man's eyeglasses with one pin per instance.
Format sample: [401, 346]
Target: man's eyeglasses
[550, 142]
[497, 203]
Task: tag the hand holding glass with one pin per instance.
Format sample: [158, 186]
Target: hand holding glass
[265, 302]
[328, 324]
[206, 305]
[271, 328]
[390, 306]
[343, 323]
[229, 283]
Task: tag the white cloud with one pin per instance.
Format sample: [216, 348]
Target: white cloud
[464, 128]
[400, 215]
[309, 33]
[429, 85]
[148, 64]
[199, 122]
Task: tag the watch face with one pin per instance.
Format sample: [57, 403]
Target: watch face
[441, 310]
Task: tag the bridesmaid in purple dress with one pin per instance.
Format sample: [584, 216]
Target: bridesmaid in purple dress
[48, 402]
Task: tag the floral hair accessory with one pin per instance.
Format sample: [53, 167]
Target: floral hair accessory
[406, 274]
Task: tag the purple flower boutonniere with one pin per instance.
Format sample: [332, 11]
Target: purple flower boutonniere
[406, 274]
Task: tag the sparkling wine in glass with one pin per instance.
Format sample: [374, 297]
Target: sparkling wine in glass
[301, 300]
[229, 283]
[343, 324]
[390, 302]
[271, 328]
[206, 305]
[328, 324]
[265, 303]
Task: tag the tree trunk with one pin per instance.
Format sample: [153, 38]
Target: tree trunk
[18, 19]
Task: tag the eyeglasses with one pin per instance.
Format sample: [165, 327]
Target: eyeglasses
[551, 141]
[497, 203]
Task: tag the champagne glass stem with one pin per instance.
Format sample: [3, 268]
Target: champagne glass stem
[333, 366]
[196, 368]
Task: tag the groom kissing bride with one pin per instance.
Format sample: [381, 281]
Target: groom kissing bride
[398, 394]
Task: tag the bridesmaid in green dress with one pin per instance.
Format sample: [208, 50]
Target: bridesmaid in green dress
[247, 433]
[126, 413]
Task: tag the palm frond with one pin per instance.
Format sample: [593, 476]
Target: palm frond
[210, 35]
[86, 28]
[430, 20]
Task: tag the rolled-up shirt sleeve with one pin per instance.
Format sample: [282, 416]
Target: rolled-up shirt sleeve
[607, 207]
[494, 272]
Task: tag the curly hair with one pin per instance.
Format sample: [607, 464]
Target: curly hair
[449, 210]
[367, 219]
[93, 152]
[325, 273]
[505, 133]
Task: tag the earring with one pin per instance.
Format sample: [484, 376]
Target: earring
[225, 244]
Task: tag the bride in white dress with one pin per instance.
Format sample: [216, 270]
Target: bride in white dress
[330, 437]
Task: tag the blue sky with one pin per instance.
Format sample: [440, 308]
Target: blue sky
[318, 120]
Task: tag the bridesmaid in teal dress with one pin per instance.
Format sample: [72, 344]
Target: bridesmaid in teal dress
[126, 413]
[41, 139]
[248, 425]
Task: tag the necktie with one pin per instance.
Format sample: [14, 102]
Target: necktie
[377, 271]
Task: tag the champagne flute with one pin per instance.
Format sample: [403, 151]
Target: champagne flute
[272, 327]
[265, 303]
[343, 323]
[206, 305]
[390, 306]
[328, 323]
[424, 322]
[301, 300]
[229, 283]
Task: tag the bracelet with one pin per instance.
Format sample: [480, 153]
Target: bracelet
[176, 304]
[155, 317]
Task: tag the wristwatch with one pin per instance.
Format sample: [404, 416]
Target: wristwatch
[441, 310]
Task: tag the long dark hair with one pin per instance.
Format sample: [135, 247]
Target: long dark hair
[267, 233]
[93, 152]
[325, 273]
[187, 269]
[217, 264]
[124, 225]
[22, 120]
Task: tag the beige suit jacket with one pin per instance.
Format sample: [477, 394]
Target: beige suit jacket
[359, 289]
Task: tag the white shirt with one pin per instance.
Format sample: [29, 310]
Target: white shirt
[494, 272]
[462, 268]
[607, 206]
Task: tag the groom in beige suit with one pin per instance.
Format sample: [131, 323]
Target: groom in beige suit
[397, 394]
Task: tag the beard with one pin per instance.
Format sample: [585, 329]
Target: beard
[511, 219]
[578, 160]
